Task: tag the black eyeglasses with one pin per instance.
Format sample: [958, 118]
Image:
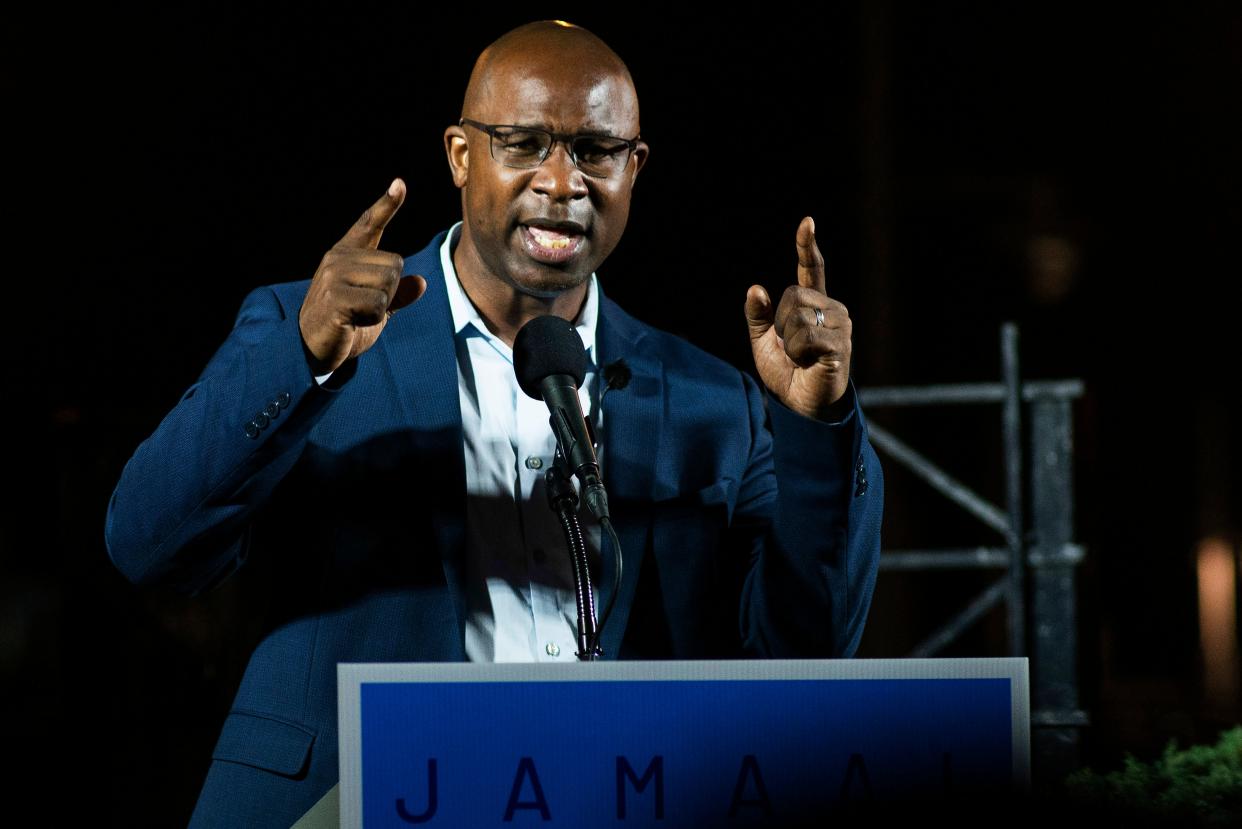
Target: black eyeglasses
[598, 156]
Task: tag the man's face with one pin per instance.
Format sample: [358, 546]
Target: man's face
[544, 230]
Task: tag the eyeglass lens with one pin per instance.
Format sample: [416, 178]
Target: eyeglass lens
[595, 155]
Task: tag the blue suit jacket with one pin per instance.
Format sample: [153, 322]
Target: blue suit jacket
[353, 497]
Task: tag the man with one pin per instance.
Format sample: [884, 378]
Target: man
[361, 437]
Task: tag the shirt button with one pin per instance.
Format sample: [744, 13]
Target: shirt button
[534, 463]
[553, 649]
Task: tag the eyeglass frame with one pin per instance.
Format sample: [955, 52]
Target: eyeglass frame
[567, 139]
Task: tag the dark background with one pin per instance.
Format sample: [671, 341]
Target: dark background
[1074, 170]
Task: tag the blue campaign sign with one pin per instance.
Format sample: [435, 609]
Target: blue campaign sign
[672, 743]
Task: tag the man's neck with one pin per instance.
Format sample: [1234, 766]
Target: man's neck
[503, 308]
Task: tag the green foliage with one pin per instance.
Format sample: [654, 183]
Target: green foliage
[1197, 786]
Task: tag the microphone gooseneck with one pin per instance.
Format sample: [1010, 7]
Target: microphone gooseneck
[550, 363]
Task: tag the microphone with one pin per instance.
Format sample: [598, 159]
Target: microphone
[550, 362]
[617, 375]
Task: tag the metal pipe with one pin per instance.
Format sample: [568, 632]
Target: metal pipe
[939, 480]
[948, 559]
[966, 393]
[1011, 420]
[984, 602]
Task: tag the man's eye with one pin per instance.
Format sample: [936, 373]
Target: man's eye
[597, 151]
[521, 143]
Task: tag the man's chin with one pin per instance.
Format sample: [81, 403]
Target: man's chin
[547, 283]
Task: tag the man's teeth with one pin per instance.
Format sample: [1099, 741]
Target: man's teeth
[553, 239]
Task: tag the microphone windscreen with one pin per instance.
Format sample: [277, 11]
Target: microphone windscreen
[617, 374]
[546, 346]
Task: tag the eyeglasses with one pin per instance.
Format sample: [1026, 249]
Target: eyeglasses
[598, 156]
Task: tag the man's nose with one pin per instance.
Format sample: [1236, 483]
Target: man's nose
[558, 177]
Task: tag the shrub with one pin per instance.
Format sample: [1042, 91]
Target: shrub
[1198, 786]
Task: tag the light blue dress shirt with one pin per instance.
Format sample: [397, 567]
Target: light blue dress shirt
[520, 601]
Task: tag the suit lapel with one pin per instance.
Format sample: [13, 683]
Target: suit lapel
[632, 424]
[422, 361]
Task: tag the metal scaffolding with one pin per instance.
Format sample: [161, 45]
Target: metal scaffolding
[1039, 556]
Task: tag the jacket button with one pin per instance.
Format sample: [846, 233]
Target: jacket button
[862, 488]
[261, 420]
[252, 430]
[283, 399]
[271, 409]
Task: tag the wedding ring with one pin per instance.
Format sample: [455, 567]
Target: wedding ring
[819, 317]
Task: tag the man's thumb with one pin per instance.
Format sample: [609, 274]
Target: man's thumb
[759, 312]
[409, 289]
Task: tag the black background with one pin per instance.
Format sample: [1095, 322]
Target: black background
[161, 165]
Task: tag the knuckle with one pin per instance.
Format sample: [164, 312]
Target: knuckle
[376, 303]
[789, 323]
[368, 312]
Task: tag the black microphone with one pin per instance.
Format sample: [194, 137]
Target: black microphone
[550, 362]
[617, 375]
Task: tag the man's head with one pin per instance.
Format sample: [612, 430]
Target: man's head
[563, 79]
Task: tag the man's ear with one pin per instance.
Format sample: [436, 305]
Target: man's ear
[640, 156]
[458, 152]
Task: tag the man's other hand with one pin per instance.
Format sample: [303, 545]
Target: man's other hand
[801, 356]
[356, 289]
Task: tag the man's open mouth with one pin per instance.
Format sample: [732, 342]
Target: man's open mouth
[552, 244]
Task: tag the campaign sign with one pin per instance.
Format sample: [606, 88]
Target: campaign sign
[691, 744]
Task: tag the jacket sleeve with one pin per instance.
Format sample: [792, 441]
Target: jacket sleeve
[809, 509]
[180, 512]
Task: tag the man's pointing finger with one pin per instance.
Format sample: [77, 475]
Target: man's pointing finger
[810, 260]
[367, 231]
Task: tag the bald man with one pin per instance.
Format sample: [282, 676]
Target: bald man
[361, 441]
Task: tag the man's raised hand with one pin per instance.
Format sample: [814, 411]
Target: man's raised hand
[801, 356]
[356, 288]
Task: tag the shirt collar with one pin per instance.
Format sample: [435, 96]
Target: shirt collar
[466, 317]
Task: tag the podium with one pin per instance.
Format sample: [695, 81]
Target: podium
[673, 744]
